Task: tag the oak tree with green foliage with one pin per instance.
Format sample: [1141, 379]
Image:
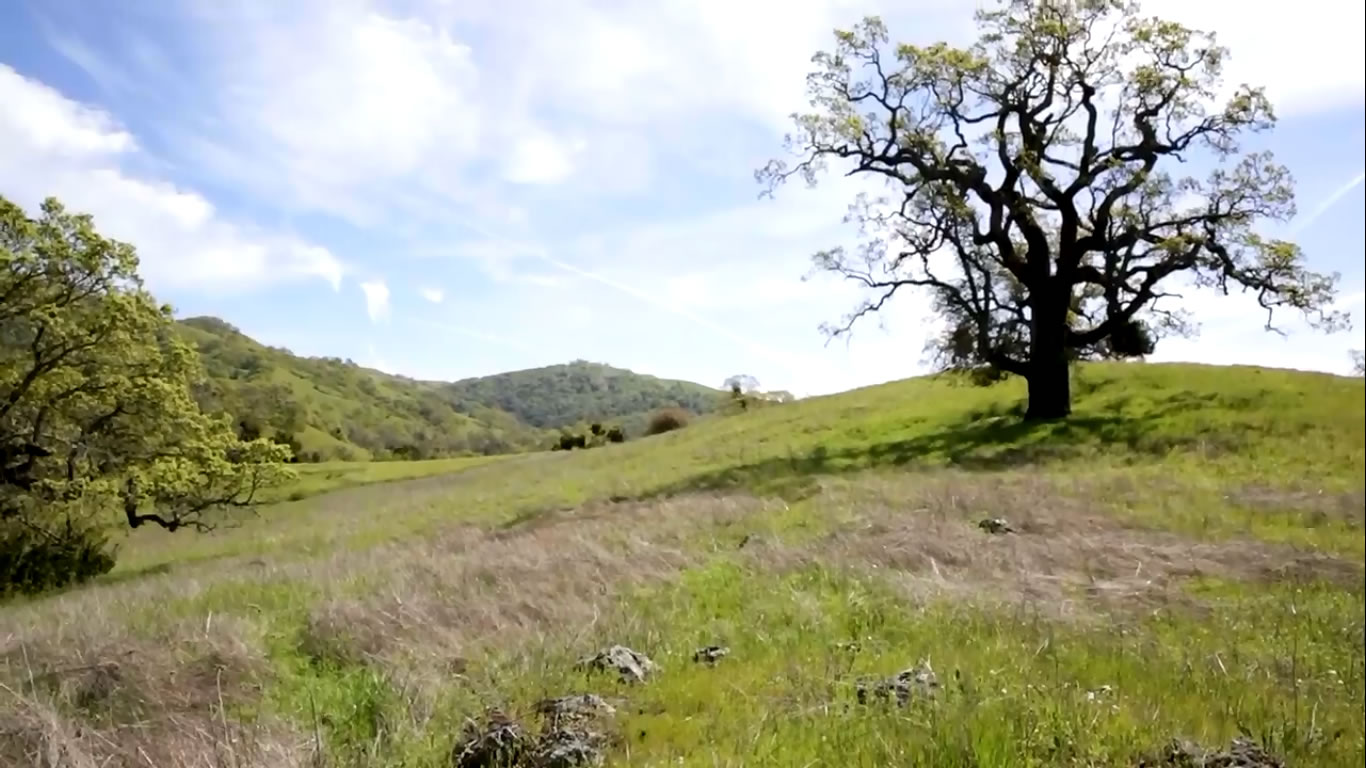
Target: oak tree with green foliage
[97, 419]
[1035, 188]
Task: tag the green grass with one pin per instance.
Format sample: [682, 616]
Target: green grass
[314, 479]
[1190, 538]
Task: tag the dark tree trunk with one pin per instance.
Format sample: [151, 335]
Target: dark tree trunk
[1050, 389]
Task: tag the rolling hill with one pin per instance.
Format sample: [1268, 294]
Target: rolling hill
[333, 409]
[1181, 568]
[580, 392]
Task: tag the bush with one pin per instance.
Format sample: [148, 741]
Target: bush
[596, 437]
[667, 420]
[35, 560]
[569, 441]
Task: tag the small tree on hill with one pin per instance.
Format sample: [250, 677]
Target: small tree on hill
[97, 417]
[1032, 189]
[742, 387]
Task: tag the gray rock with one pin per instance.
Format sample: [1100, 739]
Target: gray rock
[631, 666]
[568, 738]
[576, 708]
[569, 747]
[499, 742]
[1242, 753]
[996, 525]
[901, 686]
[710, 654]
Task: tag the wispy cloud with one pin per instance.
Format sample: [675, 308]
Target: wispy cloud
[376, 300]
[434, 295]
[53, 145]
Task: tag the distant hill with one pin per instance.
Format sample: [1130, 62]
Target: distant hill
[583, 392]
[329, 408]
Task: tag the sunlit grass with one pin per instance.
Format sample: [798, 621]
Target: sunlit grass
[1191, 538]
[322, 477]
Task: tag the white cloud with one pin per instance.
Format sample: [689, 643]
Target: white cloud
[1309, 56]
[376, 299]
[53, 146]
[434, 295]
[336, 100]
[541, 158]
[355, 109]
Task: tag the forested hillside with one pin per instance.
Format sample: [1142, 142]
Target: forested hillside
[579, 392]
[328, 408]
[334, 409]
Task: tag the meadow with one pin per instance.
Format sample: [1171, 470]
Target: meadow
[327, 476]
[1186, 564]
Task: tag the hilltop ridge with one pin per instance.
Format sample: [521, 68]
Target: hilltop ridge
[334, 409]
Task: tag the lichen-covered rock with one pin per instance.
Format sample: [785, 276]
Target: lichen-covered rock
[570, 737]
[1242, 753]
[996, 525]
[631, 666]
[568, 748]
[919, 679]
[499, 742]
[710, 654]
[575, 708]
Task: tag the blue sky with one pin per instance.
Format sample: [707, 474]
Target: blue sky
[450, 188]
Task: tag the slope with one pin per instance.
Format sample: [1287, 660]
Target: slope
[1186, 563]
[335, 409]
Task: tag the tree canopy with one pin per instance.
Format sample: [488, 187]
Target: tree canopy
[97, 418]
[1034, 185]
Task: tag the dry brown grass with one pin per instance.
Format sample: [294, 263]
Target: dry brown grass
[1067, 555]
[437, 601]
[87, 684]
[121, 699]
[99, 677]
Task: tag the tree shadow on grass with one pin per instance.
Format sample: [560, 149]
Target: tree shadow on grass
[990, 439]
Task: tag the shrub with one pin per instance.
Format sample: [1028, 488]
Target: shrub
[615, 435]
[34, 559]
[569, 441]
[667, 420]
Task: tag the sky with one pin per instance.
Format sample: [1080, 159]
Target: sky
[454, 188]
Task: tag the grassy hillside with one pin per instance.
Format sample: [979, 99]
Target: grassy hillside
[335, 410]
[1186, 563]
[581, 393]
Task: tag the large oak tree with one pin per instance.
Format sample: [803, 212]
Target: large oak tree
[97, 420]
[1036, 188]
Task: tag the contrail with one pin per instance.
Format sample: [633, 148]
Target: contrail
[1328, 202]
